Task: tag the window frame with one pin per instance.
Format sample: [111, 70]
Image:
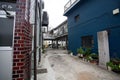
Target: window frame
[9, 1]
[76, 18]
[87, 41]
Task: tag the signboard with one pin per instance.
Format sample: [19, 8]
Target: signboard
[8, 6]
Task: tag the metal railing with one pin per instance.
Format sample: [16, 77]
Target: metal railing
[60, 32]
[69, 4]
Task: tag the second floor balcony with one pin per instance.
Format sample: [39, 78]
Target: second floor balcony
[70, 4]
[59, 31]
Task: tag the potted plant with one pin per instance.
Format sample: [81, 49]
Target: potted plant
[80, 52]
[94, 58]
[113, 67]
[87, 51]
[116, 68]
[115, 61]
[109, 65]
[89, 58]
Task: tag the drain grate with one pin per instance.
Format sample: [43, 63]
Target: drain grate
[41, 71]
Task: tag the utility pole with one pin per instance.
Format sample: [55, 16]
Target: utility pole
[35, 41]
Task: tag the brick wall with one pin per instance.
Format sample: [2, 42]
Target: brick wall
[22, 44]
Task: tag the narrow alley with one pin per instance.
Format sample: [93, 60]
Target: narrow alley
[38, 39]
[63, 66]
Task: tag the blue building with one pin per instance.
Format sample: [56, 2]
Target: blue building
[88, 17]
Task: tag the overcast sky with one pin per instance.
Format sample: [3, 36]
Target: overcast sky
[55, 9]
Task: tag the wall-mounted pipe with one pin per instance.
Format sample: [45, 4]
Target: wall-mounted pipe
[35, 40]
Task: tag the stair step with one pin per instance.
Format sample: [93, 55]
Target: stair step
[41, 71]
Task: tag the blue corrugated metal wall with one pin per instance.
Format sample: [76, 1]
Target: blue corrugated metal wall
[95, 16]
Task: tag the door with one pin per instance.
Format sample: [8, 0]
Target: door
[6, 46]
[103, 48]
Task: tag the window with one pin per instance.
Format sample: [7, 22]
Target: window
[77, 17]
[6, 31]
[87, 41]
[12, 1]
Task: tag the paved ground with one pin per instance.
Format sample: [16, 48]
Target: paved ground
[61, 66]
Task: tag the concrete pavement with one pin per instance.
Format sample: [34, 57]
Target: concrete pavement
[61, 66]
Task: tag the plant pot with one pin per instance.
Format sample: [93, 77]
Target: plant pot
[71, 53]
[109, 68]
[116, 61]
[116, 71]
[80, 55]
[94, 62]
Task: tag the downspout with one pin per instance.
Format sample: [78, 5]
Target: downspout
[40, 26]
[35, 40]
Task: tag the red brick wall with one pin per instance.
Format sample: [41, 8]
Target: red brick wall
[22, 44]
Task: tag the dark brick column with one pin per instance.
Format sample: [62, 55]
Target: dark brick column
[22, 44]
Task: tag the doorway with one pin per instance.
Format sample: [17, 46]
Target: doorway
[6, 45]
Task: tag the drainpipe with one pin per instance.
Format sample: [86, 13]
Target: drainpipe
[35, 40]
[40, 26]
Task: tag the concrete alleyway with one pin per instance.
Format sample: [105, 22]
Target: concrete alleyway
[61, 66]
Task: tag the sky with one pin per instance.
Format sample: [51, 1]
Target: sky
[55, 9]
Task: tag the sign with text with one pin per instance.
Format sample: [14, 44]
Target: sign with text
[8, 6]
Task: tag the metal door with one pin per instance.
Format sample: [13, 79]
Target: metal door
[6, 47]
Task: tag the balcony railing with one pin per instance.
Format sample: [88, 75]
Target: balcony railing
[69, 4]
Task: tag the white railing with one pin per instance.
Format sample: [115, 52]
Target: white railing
[69, 4]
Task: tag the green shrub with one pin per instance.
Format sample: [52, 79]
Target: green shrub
[94, 55]
[110, 64]
[116, 67]
[89, 58]
[87, 51]
[80, 50]
[113, 66]
[115, 61]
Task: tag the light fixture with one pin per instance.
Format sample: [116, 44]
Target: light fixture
[116, 11]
